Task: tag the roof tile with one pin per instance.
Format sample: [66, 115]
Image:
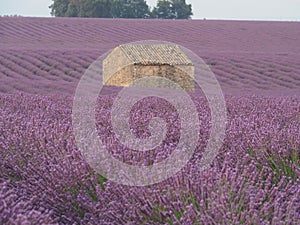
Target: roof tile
[152, 54]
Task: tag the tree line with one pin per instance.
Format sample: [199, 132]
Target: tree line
[164, 9]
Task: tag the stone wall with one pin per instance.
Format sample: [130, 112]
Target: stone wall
[113, 64]
[180, 75]
[122, 77]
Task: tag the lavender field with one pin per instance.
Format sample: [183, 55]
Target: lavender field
[254, 179]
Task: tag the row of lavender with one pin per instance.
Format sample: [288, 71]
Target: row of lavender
[60, 71]
[254, 179]
[198, 35]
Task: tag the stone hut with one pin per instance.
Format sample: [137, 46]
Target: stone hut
[129, 62]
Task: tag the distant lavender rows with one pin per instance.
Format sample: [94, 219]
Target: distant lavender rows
[42, 55]
[54, 71]
[198, 35]
[254, 179]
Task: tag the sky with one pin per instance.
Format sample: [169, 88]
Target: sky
[288, 10]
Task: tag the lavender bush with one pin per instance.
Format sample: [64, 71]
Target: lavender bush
[254, 179]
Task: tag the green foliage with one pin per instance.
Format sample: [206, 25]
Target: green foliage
[102, 9]
[92, 194]
[281, 166]
[172, 9]
[181, 9]
[129, 9]
[79, 210]
[59, 8]
[165, 9]
[72, 10]
[101, 180]
[178, 214]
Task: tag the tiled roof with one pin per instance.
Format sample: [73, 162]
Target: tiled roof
[153, 54]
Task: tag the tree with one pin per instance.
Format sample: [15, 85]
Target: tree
[172, 9]
[72, 10]
[80, 8]
[100, 8]
[138, 9]
[181, 9]
[59, 7]
[130, 9]
[165, 9]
